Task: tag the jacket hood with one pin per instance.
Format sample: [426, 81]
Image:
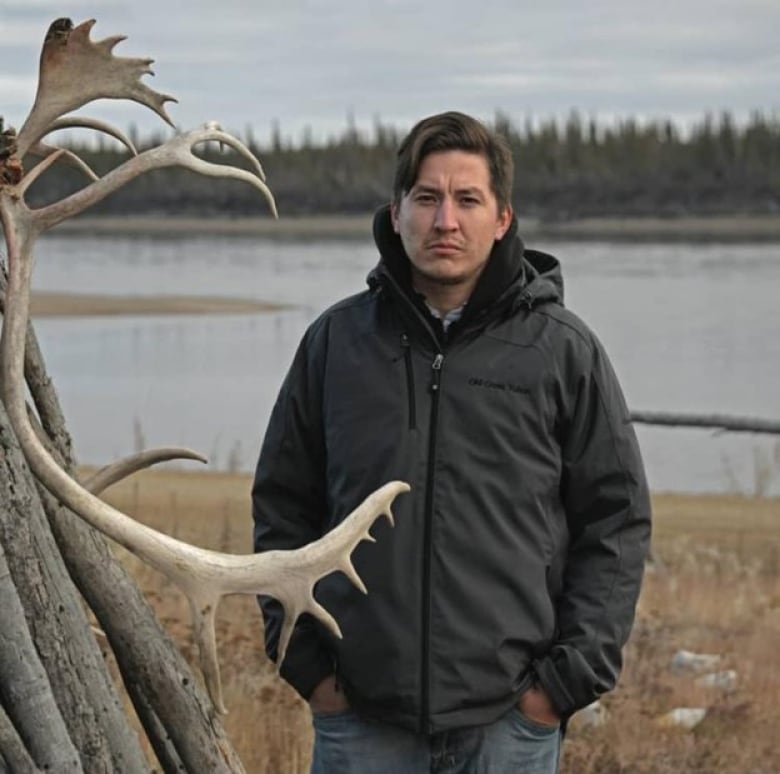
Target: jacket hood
[543, 277]
[512, 272]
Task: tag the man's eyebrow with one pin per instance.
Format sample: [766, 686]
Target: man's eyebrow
[469, 190]
[472, 190]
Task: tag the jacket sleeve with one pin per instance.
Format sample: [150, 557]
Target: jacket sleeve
[289, 505]
[606, 499]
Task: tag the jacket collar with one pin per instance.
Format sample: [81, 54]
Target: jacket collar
[505, 267]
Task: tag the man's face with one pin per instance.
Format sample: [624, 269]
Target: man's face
[449, 220]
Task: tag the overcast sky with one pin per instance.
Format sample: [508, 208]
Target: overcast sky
[314, 62]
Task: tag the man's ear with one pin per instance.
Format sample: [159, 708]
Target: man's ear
[504, 221]
[394, 217]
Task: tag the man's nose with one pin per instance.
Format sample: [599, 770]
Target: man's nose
[446, 219]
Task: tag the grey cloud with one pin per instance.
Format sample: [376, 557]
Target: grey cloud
[310, 62]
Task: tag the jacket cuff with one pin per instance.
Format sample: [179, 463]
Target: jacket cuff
[555, 688]
[306, 665]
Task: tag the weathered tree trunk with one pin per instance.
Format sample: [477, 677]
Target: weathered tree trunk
[59, 627]
[177, 716]
[26, 691]
[14, 758]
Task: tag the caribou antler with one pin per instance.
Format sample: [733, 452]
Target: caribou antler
[74, 71]
[43, 150]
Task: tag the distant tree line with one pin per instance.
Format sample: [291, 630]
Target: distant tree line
[577, 168]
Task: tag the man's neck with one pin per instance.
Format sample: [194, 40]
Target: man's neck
[448, 317]
[442, 298]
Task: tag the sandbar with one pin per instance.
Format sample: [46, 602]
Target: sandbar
[50, 304]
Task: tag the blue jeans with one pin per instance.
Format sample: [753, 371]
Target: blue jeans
[347, 744]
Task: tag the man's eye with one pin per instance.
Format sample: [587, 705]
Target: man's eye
[424, 198]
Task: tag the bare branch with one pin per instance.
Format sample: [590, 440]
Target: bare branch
[74, 666]
[24, 677]
[719, 422]
[13, 753]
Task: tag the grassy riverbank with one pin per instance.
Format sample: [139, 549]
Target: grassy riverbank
[715, 588]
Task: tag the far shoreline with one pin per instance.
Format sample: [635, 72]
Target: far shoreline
[722, 228]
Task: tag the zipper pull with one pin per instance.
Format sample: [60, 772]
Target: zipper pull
[436, 368]
[406, 348]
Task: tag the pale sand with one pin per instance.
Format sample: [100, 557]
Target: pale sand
[82, 305]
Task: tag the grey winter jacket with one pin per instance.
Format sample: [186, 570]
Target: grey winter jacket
[518, 554]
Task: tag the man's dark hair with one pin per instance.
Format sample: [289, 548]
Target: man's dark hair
[454, 131]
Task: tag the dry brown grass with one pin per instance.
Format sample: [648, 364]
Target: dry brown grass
[716, 589]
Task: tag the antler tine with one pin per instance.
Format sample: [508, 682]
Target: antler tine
[40, 168]
[177, 151]
[212, 131]
[75, 70]
[355, 528]
[288, 576]
[69, 122]
[181, 148]
[111, 474]
[43, 151]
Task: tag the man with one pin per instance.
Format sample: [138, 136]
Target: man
[500, 602]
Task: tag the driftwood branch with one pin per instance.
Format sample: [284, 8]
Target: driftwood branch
[719, 422]
[90, 707]
[27, 694]
[13, 754]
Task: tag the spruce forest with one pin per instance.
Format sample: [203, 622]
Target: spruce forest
[563, 170]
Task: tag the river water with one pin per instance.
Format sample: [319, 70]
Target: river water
[689, 327]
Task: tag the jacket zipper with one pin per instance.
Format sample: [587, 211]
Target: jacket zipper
[435, 385]
[407, 348]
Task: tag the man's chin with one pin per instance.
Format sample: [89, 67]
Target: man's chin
[450, 282]
[445, 280]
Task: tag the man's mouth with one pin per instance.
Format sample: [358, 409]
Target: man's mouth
[444, 248]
